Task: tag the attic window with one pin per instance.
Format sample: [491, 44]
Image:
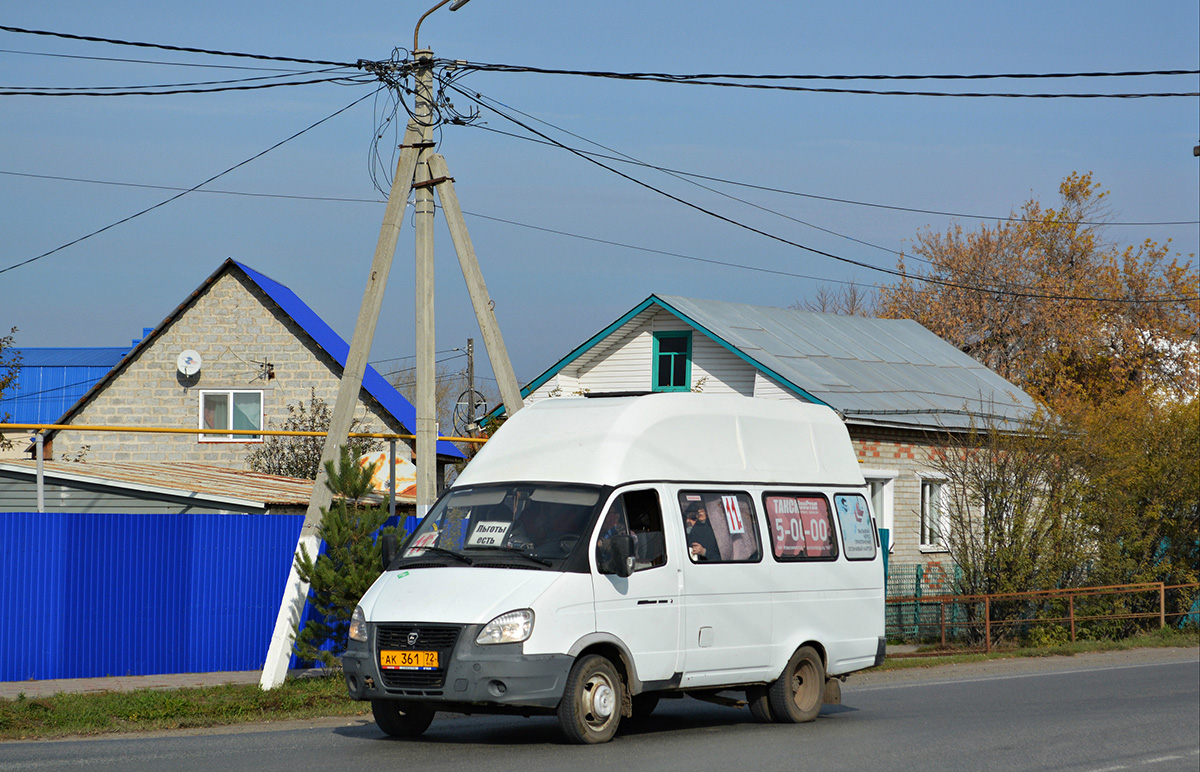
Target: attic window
[230, 410]
[672, 369]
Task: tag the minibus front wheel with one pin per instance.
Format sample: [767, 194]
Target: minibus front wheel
[796, 696]
[401, 719]
[590, 709]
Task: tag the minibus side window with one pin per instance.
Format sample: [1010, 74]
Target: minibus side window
[801, 526]
[639, 514]
[721, 527]
[858, 532]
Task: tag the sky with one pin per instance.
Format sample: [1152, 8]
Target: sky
[566, 247]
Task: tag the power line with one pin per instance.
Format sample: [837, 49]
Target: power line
[63, 93]
[691, 181]
[189, 190]
[149, 61]
[800, 194]
[184, 49]
[207, 191]
[700, 80]
[505, 221]
[231, 81]
[888, 271]
[515, 223]
[410, 356]
[813, 76]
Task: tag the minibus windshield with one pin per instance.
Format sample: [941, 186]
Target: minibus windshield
[523, 524]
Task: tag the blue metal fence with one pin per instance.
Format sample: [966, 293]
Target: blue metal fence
[85, 595]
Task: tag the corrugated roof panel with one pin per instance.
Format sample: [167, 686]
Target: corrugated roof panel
[72, 357]
[52, 379]
[886, 366]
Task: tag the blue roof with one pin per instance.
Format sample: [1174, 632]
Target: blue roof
[333, 344]
[52, 379]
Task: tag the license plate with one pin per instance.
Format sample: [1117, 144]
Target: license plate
[390, 659]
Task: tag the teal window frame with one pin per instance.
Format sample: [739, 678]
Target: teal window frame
[658, 355]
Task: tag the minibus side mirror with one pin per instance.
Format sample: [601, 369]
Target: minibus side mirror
[387, 553]
[623, 551]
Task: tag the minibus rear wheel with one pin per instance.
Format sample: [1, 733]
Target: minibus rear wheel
[402, 719]
[796, 696]
[590, 709]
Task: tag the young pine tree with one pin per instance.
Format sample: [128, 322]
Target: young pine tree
[339, 576]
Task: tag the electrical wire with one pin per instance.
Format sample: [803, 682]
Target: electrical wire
[699, 80]
[171, 187]
[231, 81]
[189, 190]
[342, 79]
[813, 76]
[904, 275]
[814, 196]
[183, 49]
[712, 190]
[150, 61]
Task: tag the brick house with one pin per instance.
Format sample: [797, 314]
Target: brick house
[259, 348]
[899, 388]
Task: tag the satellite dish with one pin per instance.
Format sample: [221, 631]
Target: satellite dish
[188, 363]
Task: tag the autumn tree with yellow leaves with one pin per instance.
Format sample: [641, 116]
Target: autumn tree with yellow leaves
[1043, 299]
[1104, 337]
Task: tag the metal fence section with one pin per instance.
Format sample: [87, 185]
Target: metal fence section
[88, 595]
[907, 614]
[1041, 618]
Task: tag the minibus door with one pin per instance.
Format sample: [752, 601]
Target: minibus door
[642, 610]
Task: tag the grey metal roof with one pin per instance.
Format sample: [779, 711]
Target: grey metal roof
[885, 371]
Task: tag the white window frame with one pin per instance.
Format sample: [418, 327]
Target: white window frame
[885, 518]
[216, 437]
[943, 515]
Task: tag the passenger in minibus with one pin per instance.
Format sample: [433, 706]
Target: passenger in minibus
[701, 540]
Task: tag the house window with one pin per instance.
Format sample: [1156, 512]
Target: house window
[672, 361]
[934, 522]
[226, 410]
[881, 484]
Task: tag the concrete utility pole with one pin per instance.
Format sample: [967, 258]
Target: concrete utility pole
[418, 168]
[426, 428]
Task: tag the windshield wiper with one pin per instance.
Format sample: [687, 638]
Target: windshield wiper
[441, 551]
[516, 551]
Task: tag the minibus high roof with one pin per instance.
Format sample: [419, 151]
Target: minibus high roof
[685, 437]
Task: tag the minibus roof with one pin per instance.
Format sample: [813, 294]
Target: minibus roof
[685, 437]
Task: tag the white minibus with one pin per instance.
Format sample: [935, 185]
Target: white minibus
[600, 554]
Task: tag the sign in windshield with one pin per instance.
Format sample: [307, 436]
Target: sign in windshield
[539, 521]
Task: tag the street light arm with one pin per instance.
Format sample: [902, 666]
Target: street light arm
[457, 4]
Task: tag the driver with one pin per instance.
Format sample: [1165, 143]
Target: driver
[544, 529]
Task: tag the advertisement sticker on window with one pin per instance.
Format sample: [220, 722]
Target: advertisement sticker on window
[801, 527]
[857, 532]
[733, 515]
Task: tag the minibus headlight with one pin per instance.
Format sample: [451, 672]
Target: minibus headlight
[358, 625]
[512, 627]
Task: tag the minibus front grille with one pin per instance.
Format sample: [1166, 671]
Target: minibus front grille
[440, 638]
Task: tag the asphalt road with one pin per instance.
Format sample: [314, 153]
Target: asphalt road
[1135, 710]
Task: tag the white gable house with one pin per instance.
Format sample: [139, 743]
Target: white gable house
[898, 387]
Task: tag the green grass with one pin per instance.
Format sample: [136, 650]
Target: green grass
[148, 710]
[1164, 638]
[65, 715]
